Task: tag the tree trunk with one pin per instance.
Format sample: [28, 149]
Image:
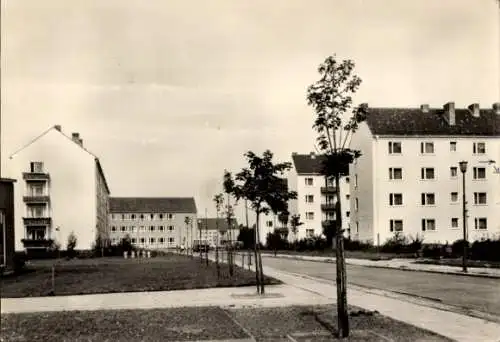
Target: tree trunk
[199, 245]
[261, 270]
[343, 317]
[257, 268]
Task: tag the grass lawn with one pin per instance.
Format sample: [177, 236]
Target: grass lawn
[349, 254]
[105, 275]
[458, 263]
[302, 323]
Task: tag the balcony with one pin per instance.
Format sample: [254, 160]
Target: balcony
[328, 189]
[36, 199]
[37, 221]
[36, 176]
[327, 223]
[37, 243]
[328, 206]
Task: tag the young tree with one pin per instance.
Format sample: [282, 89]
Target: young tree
[71, 244]
[219, 200]
[187, 221]
[331, 99]
[295, 223]
[228, 184]
[262, 184]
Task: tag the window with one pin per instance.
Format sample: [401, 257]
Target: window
[112, 216]
[310, 215]
[395, 173]
[355, 181]
[394, 147]
[480, 198]
[454, 197]
[356, 204]
[151, 228]
[453, 146]
[152, 216]
[395, 199]
[479, 148]
[36, 167]
[142, 216]
[347, 213]
[152, 240]
[309, 181]
[143, 240]
[171, 240]
[114, 240]
[269, 223]
[479, 173]
[123, 216]
[134, 240]
[161, 216]
[427, 147]
[170, 216]
[161, 228]
[427, 173]
[453, 171]
[123, 228]
[113, 228]
[141, 228]
[480, 223]
[132, 217]
[428, 224]
[309, 233]
[132, 229]
[161, 240]
[347, 197]
[170, 228]
[454, 222]
[428, 199]
[309, 198]
[396, 225]
[347, 180]
[357, 227]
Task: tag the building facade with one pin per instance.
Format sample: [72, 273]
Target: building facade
[316, 197]
[408, 179]
[217, 232]
[61, 190]
[7, 234]
[154, 222]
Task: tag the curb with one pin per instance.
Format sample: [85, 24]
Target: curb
[401, 268]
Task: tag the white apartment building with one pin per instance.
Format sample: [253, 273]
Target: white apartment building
[61, 189]
[216, 231]
[153, 222]
[316, 198]
[408, 178]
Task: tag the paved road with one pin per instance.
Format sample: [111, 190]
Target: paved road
[473, 293]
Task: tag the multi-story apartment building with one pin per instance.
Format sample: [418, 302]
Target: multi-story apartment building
[216, 231]
[316, 199]
[154, 222]
[61, 189]
[408, 179]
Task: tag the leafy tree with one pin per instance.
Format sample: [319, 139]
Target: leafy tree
[331, 99]
[229, 186]
[295, 223]
[247, 237]
[71, 244]
[261, 183]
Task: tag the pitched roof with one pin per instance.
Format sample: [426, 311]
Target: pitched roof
[211, 223]
[307, 164]
[152, 205]
[414, 121]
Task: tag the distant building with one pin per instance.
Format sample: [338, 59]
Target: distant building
[408, 179]
[61, 189]
[216, 232]
[7, 234]
[153, 222]
[316, 197]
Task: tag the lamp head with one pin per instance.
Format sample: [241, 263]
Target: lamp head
[463, 166]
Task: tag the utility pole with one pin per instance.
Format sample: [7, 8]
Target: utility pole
[463, 169]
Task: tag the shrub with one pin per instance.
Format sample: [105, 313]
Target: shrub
[487, 250]
[434, 251]
[355, 245]
[19, 261]
[71, 245]
[457, 248]
[396, 244]
[86, 254]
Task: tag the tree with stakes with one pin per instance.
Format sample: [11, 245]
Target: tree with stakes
[331, 99]
[219, 200]
[262, 184]
[228, 184]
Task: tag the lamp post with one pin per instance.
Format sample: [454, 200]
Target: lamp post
[463, 169]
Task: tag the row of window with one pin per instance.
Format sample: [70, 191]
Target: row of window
[429, 224]
[427, 147]
[329, 198]
[427, 173]
[142, 217]
[396, 199]
[309, 181]
[151, 240]
[141, 228]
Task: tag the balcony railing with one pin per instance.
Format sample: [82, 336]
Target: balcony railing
[36, 176]
[327, 206]
[328, 189]
[36, 199]
[35, 221]
[327, 223]
[37, 243]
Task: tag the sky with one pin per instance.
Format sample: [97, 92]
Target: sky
[168, 94]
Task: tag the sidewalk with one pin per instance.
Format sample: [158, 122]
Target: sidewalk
[402, 264]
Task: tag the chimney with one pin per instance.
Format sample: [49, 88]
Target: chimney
[80, 141]
[496, 108]
[58, 127]
[76, 138]
[424, 108]
[449, 113]
[474, 109]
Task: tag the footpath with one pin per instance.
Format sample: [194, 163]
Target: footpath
[297, 290]
[401, 264]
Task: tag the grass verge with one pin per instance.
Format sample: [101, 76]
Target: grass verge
[348, 254]
[458, 263]
[106, 275]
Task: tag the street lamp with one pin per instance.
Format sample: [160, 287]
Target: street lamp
[463, 169]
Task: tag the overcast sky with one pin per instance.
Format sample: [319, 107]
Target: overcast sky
[169, 93]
